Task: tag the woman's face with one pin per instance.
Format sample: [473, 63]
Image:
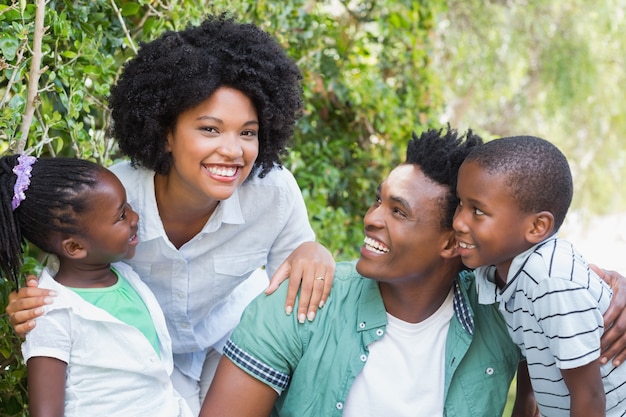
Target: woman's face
[214, 145]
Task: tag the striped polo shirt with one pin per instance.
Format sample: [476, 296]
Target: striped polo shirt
[553, 305]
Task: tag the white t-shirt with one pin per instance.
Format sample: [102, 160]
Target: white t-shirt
[405, 371]
[112, 368]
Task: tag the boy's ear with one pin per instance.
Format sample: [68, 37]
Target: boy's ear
[73, 248]
[541, 227]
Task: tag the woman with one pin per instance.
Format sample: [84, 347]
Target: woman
[204, 115]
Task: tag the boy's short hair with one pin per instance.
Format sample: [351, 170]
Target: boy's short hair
[536, 171]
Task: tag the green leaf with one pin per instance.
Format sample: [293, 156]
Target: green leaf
[8, 47]
[130, 9]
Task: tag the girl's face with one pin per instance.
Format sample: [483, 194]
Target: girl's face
[214, 146]
[110, 228]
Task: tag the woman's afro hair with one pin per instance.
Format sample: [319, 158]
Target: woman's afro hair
[179, 70]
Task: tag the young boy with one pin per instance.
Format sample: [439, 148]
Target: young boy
[514, 194]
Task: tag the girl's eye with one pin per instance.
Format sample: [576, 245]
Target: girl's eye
[249, 133]
[123, 216]
[478, 212]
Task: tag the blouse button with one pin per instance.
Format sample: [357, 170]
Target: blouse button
[362, 325]
[339, 406]
[379, 332]
[363, 358]
[489, 371]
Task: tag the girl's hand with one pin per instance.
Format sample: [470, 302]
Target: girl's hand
[310, 268]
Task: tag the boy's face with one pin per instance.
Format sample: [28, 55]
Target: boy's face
[490, 227]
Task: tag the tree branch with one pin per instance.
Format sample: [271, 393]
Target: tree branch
[35, 73]
[121, 19]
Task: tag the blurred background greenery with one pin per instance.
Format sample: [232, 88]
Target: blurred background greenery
[374, 71]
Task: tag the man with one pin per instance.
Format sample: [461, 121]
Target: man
[402, 333]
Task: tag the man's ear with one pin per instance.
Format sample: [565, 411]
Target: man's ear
[449, 249]
[73, 248]
[541, 226]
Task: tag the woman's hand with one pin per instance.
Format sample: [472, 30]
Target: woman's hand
[613, 341]
[26, 305]
[310, 268]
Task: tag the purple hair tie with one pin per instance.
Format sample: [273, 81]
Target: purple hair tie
[23, 170]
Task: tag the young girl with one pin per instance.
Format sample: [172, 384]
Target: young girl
[102, 348]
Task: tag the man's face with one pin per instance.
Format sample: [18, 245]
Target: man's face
[403, 233]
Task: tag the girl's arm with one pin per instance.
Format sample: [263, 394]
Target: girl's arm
[587, 397]
[46, 386]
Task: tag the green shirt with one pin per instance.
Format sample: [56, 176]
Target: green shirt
[315, 363]
[122, 302]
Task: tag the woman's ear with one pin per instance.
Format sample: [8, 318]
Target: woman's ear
[73, 248]
[541, 227]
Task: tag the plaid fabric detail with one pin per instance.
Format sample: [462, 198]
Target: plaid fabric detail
[461, 309]
[256, 368]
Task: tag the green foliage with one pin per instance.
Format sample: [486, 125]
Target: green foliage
[546, 68]
[368, 82]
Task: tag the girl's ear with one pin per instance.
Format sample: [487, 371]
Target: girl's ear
[541, 227]
[73, 248]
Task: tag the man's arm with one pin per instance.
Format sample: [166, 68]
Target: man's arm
[234, 393]
[613, 341]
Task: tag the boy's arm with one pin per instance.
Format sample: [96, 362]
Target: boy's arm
[46, 386]
[234, 393]
[525, 404]
[586, 390]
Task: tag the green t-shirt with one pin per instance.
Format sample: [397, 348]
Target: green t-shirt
[125, 304]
